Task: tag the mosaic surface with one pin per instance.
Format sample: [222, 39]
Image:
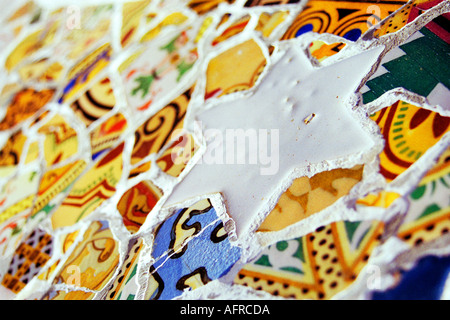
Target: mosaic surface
[226, 149]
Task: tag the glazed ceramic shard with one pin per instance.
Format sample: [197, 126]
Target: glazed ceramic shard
[173, 19]
[13, 201]
[54, 184]
[203, 7]
[307, 196]
[411, 11]
[430, 267]
[11, 153]
[269, 23]
[235, 28]
[158, 130]
[95, 102]
[106, 134]
[342, 18]
[77, 41]
[131, 19]
[178, 155]
[125, 286]
[96, 186]
[235, 69]
[255, 3]
[29, 258]
[25, 103]
[177, 230]
[409, 132]
[60, 141]
[428, 216]
[32, 43]
[137, 202]
[93, 261]
[417, 65]
[191, 248]
[63, 245]
[80, 75]
[322, 50]
[173, 61]
[11, 234]
[42, 70]
[273, 116]
[317, 265]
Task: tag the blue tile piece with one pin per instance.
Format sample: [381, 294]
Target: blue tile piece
[423, 282]
[205, 256]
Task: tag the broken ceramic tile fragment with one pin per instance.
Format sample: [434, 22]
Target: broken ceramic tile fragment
[428, 216]
[307, 196]
[202, 6]
[346, 19]
[158, 130]
[18, 194]
[315, 266]
[407, 14]
[106, 134]
[95, 186]
[34, 42]
[25, 103]
[96, 102]
[417, 65]
[173, 61]
[137, 202]
[80, 75]
[125, 286]
[222, 77]
[54, 183]
[60, 141]
[29, 258]
[176, 157]
[409, 131]
[191, 248]
[131, 18]
[93, 261]
[11, 153]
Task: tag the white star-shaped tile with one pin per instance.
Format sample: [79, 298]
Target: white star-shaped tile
[291, 93]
